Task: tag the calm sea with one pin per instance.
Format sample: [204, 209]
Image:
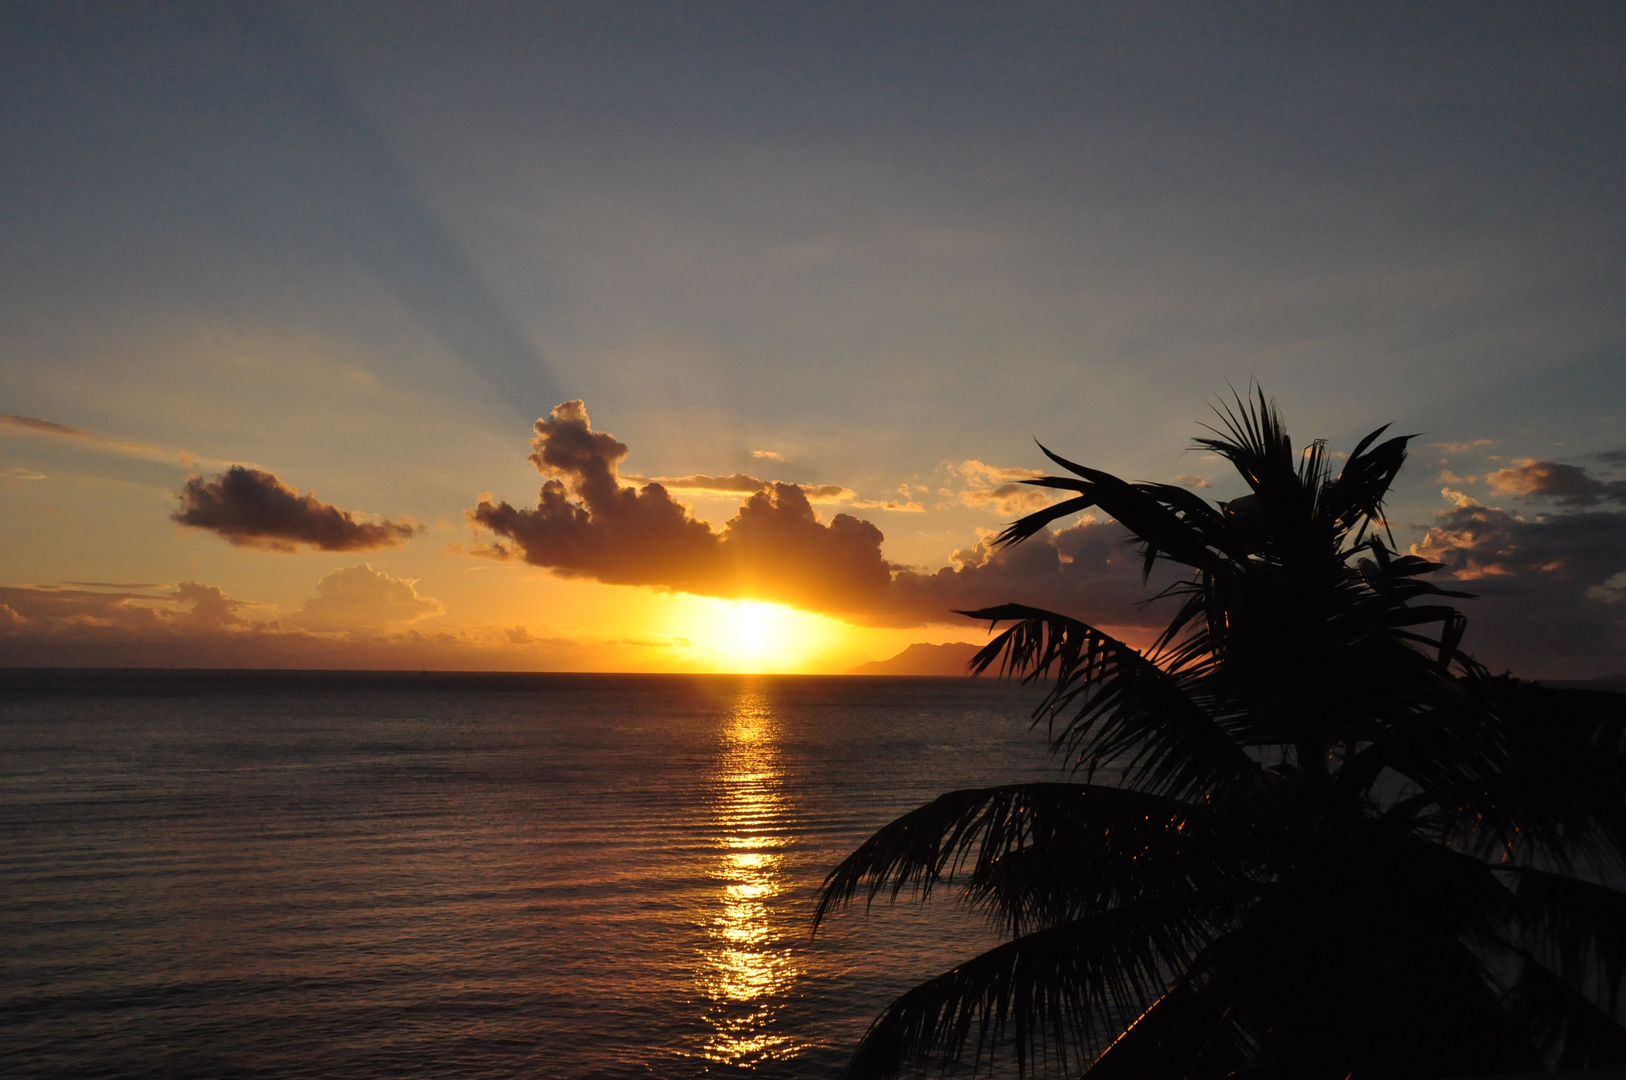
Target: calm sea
[356, 876]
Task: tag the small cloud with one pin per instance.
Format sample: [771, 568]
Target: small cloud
[1566, 485]
[1462, 447]
[828, 493]
[143, 585]
[210, 606]
[358, 597]
[252, 508]
[991, 487]
[15, 473]
[741, 484]
[33, 425]
[1192, 481]
[767, 455]
[889, 504]
[1612, 590]
[733, 484]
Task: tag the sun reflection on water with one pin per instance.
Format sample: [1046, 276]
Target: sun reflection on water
[747, 967]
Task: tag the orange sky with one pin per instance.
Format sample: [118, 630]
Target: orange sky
[791, 295]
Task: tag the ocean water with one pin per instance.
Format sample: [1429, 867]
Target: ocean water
[357, 876]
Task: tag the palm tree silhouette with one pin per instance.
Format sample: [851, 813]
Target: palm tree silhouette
[1336, 845]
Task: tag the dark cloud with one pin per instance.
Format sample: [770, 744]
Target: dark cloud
[587, 524]
[1565, 485]
[252, 508]
[1551, 591]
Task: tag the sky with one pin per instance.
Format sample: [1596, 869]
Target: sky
[354, 335]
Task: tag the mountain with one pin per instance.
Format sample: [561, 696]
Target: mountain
[920, 658]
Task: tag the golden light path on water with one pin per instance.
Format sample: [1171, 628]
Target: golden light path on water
[746, 965]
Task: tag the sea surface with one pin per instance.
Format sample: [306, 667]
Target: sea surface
[346, 875]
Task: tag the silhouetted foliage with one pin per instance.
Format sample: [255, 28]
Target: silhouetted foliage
[1332, 844]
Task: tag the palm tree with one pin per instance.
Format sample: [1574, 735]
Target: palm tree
[1335, 845]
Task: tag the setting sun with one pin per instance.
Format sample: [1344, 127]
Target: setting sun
[755, 636]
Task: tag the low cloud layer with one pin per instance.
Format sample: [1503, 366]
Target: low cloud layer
[359, 618]
[1551, 589]
[252, 508]
[588, 524]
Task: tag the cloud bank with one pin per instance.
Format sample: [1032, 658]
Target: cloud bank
[588, 524]
[359, 618]
[1551, 589]
[252, 508]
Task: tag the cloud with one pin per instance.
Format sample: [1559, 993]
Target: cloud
[742, 484]
[15, 473]
[767, 455]
[199, 625]
[210, 606]
[990, 487]
[251, 508]
[1548, 603]
[906, 507]
[587, 524]
[33, 425]
[1465, 447]
[359, 597]
[1566, 485]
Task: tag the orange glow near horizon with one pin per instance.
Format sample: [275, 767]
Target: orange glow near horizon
[757, 637]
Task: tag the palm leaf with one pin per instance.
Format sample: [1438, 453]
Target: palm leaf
[1035, 854]
[1124, 708]
[1575, 927]
[1061, 990]
[1567, 1027]
[1184, 1033]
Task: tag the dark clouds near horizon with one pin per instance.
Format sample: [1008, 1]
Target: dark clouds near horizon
[253, 508]
[1550, 589]
[587, 524]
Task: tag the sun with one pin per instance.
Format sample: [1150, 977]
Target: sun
[757, 636]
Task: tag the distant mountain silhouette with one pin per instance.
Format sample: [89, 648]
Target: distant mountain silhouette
[921, 658]
[1613, 683]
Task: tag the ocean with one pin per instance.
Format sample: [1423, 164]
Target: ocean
[379, 875]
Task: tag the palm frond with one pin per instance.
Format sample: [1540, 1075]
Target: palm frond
[1162, 530]
[1124, 707]
[1253, 438]
[1566, 1026]
[1035, 854]
[1355, 499]
[1575, 927]
[1541, 777]
[1063, 991]
[1186, 1032]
